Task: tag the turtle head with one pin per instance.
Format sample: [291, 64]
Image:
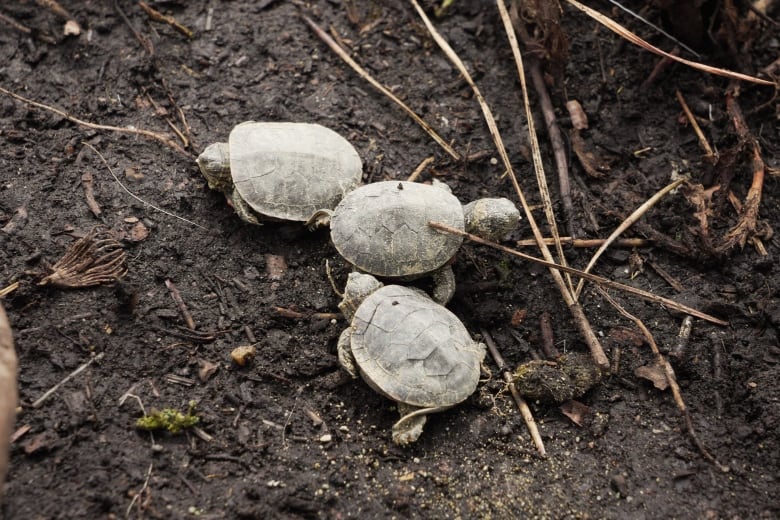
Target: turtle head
[358, 287]
[491, 219]
[214, 164]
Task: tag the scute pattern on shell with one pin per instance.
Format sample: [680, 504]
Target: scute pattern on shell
[382, 228]
[413, 350]
[291, 170]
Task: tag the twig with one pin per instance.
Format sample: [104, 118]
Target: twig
[636, 40]
[589, 242]
[26, 30]
[140, 491]
[670, 377]
[185, 312]
[52, 390]
[668, 278]
[89, 193]
[627, 223]
[9, 289]
[134, 131]
[710, 156]
[556, 142]
[289, 313]
[746, 227]
[335, 47]
[157, 16]
[588, 276]
[420, 168]
[525, 410]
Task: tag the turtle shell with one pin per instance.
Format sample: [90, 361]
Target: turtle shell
[413, 350]
[291, 170]
[382, 228]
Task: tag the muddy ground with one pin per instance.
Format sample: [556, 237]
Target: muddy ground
[286, 436]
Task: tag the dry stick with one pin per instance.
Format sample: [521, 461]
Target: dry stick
[746, 226]
[157, 16]
[335, 47]
[26, 30]
[289, 313]
[135, 131]
[710, 155]
[627, 223]
[525, 411]
[670, 377]
[185, 312]
[541, 179]
[580, 320]
[420, 168]
[89, 193]
[55, 7]
[588, 242]
[636, 40]
[52, 390]
[588, 276]
[556, 141]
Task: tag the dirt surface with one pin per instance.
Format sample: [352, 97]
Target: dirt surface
[289, 437]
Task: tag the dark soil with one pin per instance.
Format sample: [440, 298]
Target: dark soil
[80, 455]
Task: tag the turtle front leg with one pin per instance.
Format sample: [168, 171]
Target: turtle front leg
[346, 359]
[443, 284]
[243, 210]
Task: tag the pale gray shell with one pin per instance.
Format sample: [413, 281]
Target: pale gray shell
[382, 228]
[414, 350]
[291, 170]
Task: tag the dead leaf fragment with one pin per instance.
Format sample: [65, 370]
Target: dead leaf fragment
[654, 374]
[206, 369]
[575, 411]
[139, 232]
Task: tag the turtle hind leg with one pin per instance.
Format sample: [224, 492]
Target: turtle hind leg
[409, 428]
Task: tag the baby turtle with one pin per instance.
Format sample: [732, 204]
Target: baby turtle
[281, 171]
[382, 229]
[408, 348]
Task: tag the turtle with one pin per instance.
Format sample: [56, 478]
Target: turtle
[382, 229]
[408, 348]
[281, 171]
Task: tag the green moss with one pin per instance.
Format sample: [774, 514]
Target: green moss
[168, 419]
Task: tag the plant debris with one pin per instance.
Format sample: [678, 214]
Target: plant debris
[95, 259]
[169, 419]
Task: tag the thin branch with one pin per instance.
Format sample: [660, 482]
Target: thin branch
[335, 47]
[522, 405]
[134, 131]
[592, 277]
[627, 223]
[636, 40]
